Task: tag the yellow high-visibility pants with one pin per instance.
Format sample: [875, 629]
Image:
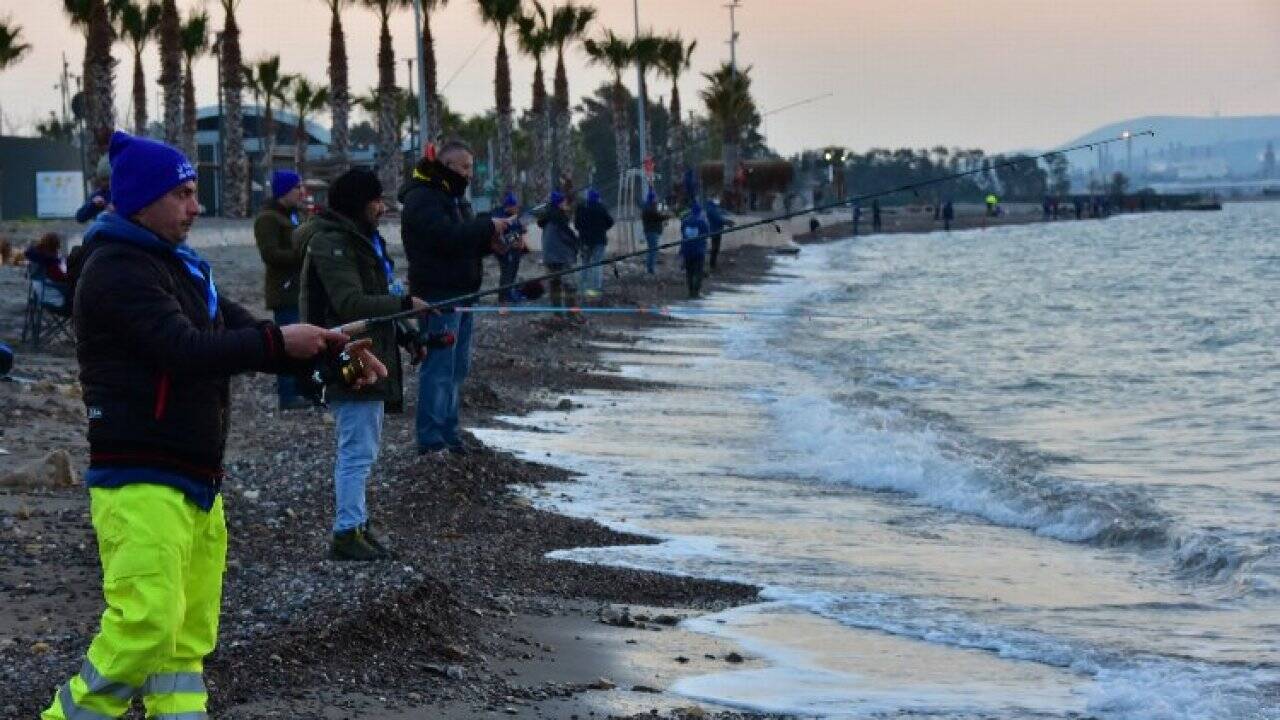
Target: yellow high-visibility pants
[162, 564]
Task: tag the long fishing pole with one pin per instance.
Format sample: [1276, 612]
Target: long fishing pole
[360, 326]
[658, 310]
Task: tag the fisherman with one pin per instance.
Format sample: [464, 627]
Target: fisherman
[875, 216]
[948, 215]
[592, 221]
[694, 229]
[560, 245]
[273, 231]
[652, 218]
[349, 276]
[445, 243]
[512, 252]
[100, 199]
[157, 346]
[718, 222]
[857, 216]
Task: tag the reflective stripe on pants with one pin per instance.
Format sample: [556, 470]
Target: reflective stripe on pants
[162, 560]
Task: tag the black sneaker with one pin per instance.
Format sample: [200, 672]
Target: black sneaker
[352, 545]
[376, 543]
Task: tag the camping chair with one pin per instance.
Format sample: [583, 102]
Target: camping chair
[48, 312]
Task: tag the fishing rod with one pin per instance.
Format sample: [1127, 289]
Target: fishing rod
[361, 326]
[656, 310]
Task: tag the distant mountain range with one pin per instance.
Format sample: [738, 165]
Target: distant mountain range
[1240, 141]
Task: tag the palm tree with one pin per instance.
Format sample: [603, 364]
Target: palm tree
[646, 53]
[569, 23]
[11, 51]
[617, 55]
[235, 199]
[533, 36]
[171, 70]
[195, 42]
[340, 89]
[731, 109]
[431, 87]
[307, 99]
[390, 158]
[137, 26]
[674, 59]
[95, 18]
[500, 14]
[271, 85]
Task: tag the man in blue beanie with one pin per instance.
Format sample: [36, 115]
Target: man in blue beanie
[652, 218]
[157, 346]
[694, 229]
[282, 255]
[513, 249]
[592, 221]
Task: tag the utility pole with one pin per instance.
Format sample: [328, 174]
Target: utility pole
[412, 131]
[644, 151]
[222, 129]
[424, 117]
[64, 86]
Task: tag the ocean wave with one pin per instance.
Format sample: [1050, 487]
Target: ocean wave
[1124, 686]
[883, 449]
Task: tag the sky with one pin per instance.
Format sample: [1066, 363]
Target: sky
[995, 74]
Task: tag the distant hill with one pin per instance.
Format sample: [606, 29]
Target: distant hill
[1238, 140]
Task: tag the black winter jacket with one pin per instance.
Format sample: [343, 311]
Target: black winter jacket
[155, 369]
[592, 221]
[444, 240]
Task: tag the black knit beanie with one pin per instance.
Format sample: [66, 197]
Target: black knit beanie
[352, 191]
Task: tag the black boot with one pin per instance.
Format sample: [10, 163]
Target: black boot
[352, 545]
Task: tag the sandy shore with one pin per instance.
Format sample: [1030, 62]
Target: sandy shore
[470, 620]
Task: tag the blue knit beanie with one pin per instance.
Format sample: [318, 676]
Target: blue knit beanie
[651, 198]
[556, 198]
[282, 181]
[593, 196]
[510, 201]
[142, 171]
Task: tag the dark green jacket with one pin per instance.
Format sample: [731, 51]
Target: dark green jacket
[273, 230]
[343, 281]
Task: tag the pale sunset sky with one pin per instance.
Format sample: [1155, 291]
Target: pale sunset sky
[996, 74]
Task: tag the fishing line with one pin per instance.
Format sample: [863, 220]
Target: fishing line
[449, 305]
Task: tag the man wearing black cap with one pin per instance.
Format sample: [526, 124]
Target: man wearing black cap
[157, 346]
[348, 276]
[445, 243]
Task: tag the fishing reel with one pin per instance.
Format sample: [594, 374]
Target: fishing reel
[343, 367]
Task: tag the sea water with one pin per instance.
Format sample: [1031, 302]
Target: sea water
[1034, 471]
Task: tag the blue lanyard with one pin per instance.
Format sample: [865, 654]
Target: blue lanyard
[388, 268]
[293, 216]
[200, 270]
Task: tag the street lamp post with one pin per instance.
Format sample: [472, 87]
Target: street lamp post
[222, 131]
[644, 150]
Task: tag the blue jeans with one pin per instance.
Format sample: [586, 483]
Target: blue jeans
[592, 278]
[286, 385]
[651, 260]
[508, 268]
[359, 425]
[440, 379]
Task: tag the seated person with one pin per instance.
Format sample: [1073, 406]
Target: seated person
[46, 254]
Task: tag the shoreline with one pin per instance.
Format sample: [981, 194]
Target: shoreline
[472, 618]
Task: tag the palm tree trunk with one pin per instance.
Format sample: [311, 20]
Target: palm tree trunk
[268, 143]
[676, 138]
[540, 179]
[621, 126]
[505, 163]
[432, 86]
[171, 71]
[189, 115]
[300, 144]
[561, 132]
[339, 94]
[99, 81]
[139, 95]
[235, 164]
[390, 161]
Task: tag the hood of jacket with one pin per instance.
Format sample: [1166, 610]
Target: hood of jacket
[434, 174]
